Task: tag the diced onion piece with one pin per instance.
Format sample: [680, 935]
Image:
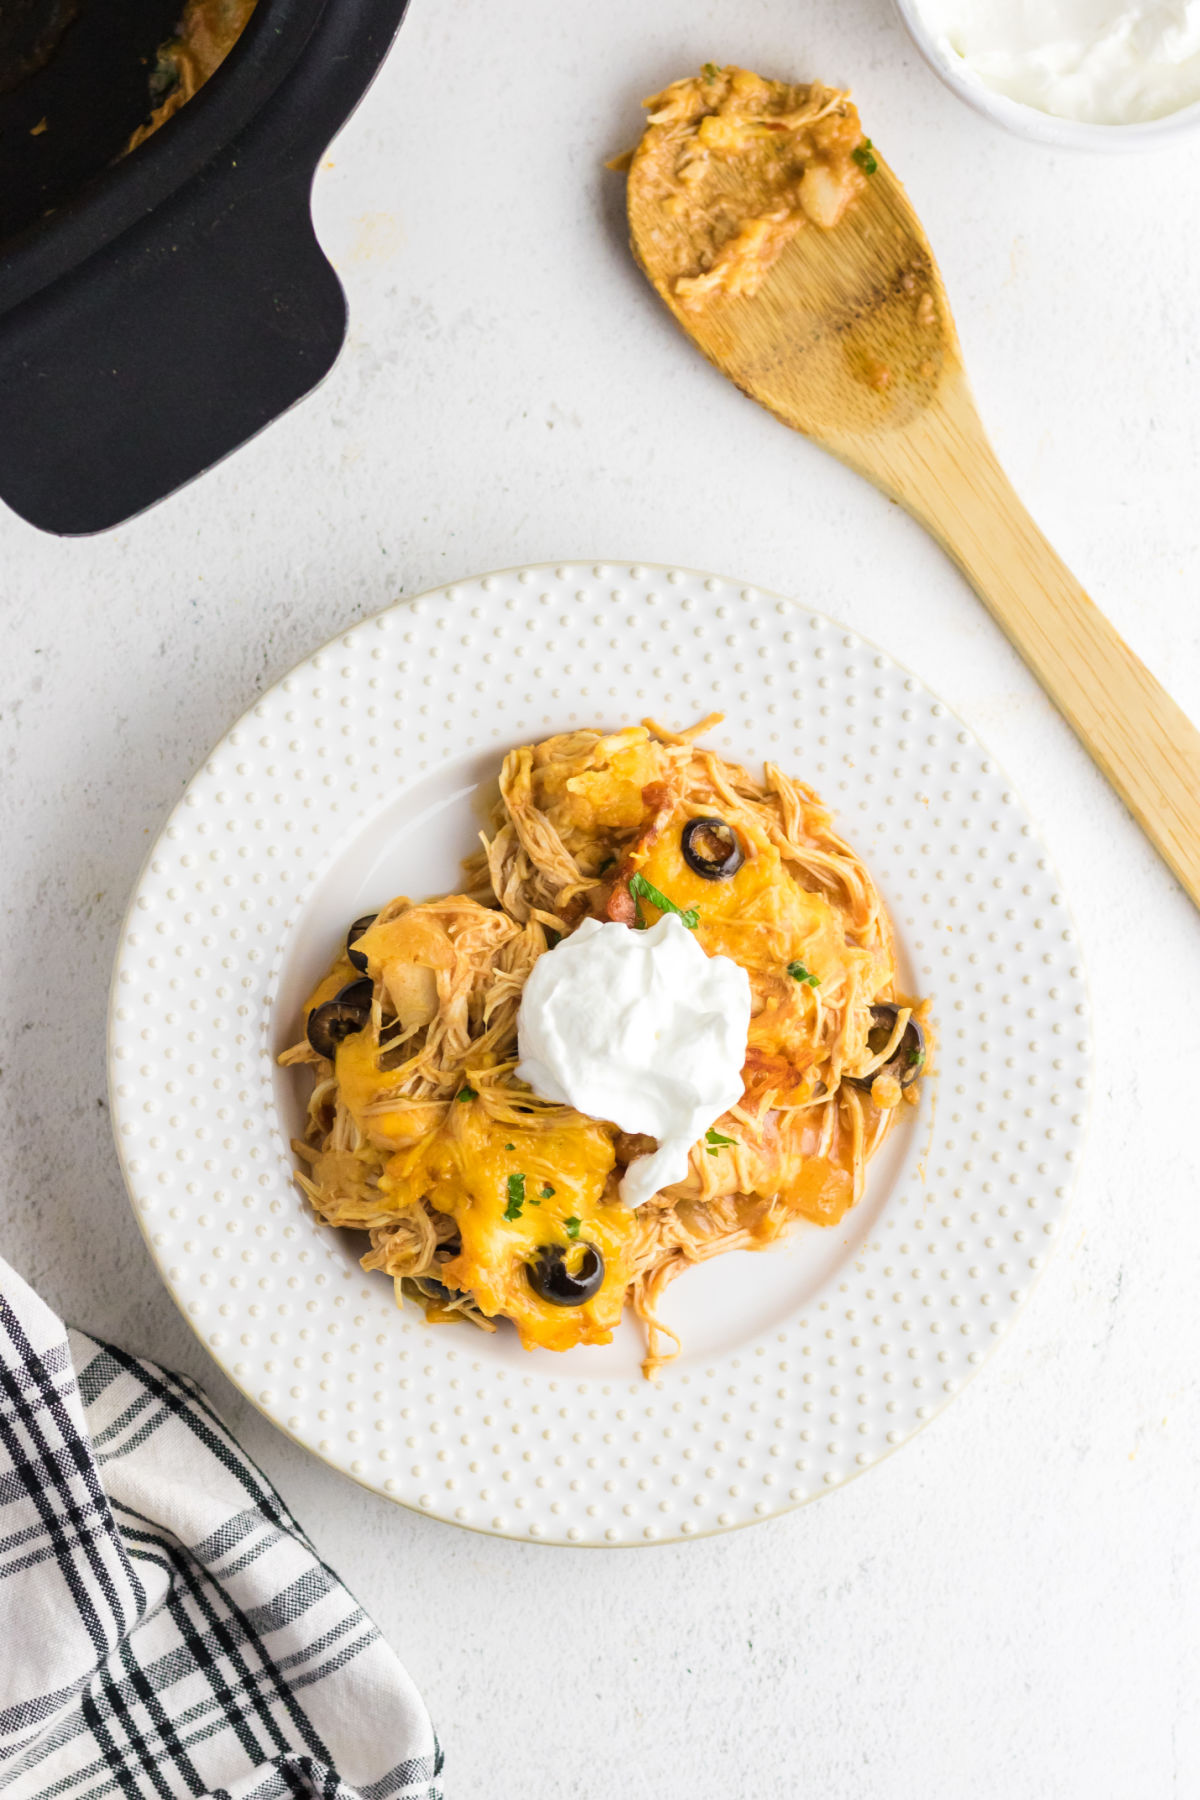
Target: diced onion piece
[824, 194]
[412, 990]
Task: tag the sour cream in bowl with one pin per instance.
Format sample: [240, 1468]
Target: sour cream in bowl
[1085, 74]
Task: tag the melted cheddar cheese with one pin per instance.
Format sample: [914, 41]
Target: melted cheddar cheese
[602, 789]
[560, 1167]
[764, 920]
[459, 1159]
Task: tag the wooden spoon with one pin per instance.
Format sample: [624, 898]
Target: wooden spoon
[850, 340]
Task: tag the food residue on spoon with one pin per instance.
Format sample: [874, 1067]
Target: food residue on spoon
[798, 157]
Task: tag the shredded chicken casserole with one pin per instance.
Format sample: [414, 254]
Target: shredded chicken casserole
[466, 1182]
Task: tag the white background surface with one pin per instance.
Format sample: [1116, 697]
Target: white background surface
[1006, 1610]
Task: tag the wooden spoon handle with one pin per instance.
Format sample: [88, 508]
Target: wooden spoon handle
[946, 473]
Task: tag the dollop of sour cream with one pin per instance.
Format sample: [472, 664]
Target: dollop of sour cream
[1109, 62]
[639, 1028]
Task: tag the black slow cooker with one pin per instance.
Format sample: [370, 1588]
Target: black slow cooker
[158, 309]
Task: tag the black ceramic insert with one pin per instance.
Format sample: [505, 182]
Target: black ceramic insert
[75, 83]
[175, 301]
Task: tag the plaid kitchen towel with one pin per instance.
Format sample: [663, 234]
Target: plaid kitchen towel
[166, 1628]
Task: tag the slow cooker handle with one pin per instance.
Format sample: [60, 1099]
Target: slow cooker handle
[167, 349]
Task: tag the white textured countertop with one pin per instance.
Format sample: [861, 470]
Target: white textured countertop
[1006, 1610]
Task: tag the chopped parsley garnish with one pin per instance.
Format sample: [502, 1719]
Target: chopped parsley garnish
[572, 1225]
[510, 1146]
[798, 972]
[710, 71]
[547, 1191]
[467, 1093]
[716, 1141]
[516, 1196]
[641, 889]
[862, 156]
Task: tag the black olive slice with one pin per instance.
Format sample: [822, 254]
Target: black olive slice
[357, 930]
[339, 1018]
[551, 1280]
[433, 1289]
[907, 1059]
[712, 849]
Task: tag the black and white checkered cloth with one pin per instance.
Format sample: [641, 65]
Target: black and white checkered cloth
[166, 1628]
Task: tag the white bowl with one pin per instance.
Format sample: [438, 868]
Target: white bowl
[1030, 121]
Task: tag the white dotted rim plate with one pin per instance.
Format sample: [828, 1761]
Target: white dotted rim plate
[803, 1366]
